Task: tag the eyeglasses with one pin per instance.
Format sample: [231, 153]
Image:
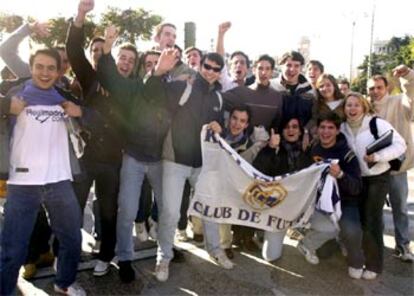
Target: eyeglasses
[208, 68]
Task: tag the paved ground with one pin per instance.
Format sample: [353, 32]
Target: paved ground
[291, 275]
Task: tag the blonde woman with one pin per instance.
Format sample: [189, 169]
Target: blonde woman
[375, 171]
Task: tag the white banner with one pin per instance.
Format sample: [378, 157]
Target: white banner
[229, 190]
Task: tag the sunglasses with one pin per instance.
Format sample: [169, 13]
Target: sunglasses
[208, 68]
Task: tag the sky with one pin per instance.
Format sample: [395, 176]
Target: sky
[264, 26]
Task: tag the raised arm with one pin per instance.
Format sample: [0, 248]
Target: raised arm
[84, 71]
[406, 76]
[9, 48]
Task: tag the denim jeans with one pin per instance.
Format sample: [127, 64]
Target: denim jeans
[173, 181]
[132, 176]
[398, 198]
[351, 235]
[39, 240]
[350, 232]
[106, 178]
[374, 192]
[273, 245]
[21, 209]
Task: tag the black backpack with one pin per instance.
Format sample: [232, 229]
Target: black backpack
[395, 163]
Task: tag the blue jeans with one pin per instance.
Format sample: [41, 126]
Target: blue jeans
[323, 229]
[174, 177]
[132, 176]
[398, 198]
[21, 209]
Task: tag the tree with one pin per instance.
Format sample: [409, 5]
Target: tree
[9, 22]
[133, 24]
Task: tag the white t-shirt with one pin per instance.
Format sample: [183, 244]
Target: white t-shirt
[39, 147]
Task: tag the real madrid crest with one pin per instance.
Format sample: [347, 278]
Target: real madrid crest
[262, 195]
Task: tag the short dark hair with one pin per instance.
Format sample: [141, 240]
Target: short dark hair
[294, 55]
[95, 40]
[192, 48]
[344, 81]
[380, 77]
[242, 108]
[239, 52]
[317, 64]
[51, 52]
[160, 27]
[130, 47]
[267, 58]
[215, 57]
[331, 117]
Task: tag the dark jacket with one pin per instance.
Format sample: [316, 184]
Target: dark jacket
[104, 139]
[204, 105]
[265, 103]
[350, 184]
[147, 117]
[276, 162]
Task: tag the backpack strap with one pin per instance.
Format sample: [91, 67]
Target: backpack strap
[185, 95]
[373, 127]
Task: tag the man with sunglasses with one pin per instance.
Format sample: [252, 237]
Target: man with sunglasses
[191, 106]
[399, 111]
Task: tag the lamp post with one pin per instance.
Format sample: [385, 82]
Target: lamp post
[369, 71]
[352, 52]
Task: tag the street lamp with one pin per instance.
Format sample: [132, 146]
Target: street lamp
[369, 72]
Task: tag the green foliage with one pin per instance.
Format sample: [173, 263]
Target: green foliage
[9, 22]
[401, 52]
[133, 24]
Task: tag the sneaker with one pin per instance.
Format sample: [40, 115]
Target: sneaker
[141, 231]
[45, 259]
[178, 256]
[72, 290]
[198, 238]
[29, 271]
[126, 272]
[222, 260]
[229, 253]
[161, 270]
[153, 228]
[96, 248]
[250, 245]
[181, 235]
[404, 253]
[369, 275]
[101, 268]
[355, 273]
[309, 255]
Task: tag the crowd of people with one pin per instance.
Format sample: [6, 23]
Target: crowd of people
[129, 127]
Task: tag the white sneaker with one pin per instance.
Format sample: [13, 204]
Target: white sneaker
[369, 275]
[181, 235]
[72, 290]
[96, 247]
[101, 268]
[141, 231]
[355, 273]
[161, 270]
[404, 253]
[223, 261]
[153, 228]
[309, 255]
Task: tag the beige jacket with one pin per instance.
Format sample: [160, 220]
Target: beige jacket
[399, 111]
